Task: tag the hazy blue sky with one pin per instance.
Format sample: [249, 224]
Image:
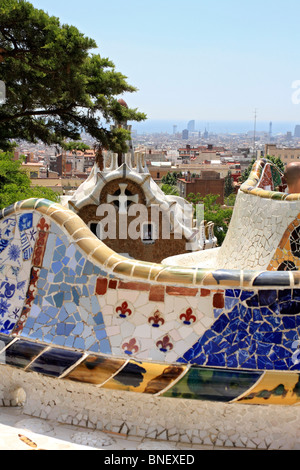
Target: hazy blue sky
[195, 59]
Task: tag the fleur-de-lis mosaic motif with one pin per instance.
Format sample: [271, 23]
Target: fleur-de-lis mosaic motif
[164, 344]
[42, 225]
[131, 347]
[156, 320]
[188, 317]
[40, 244]
[124, 310]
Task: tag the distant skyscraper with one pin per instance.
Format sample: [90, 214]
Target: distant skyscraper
[185, 134]
[191, 126]
[270, 129]
[297, 131]
[174, 129]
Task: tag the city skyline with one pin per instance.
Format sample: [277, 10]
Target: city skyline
[215, 127]
[207, 61]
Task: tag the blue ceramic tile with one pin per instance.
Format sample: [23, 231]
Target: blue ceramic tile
[272, 279]
[230, 302]
[56, 267]
[253, 301]
[78, 330]
[55, 362]
[79, 343]
[61, 251]
[98, 319]
[58, 277]
[267, 297]
[88, 268]
[58, 242]
[75, 294]
[284, 295]
[100, 334]
[21, 353]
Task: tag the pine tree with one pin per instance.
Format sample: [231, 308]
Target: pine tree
[55, 87]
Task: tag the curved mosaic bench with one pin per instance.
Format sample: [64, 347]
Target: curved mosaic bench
[72, 309]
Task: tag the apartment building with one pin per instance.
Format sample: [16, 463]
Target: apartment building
[286, 154]
[200, 154]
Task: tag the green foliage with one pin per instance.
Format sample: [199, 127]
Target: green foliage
[56, 88]
[228, 187]
[214, 212]
[15, 184]
[230, 200]
[171, 178]
[169, 189]
[75, 146]
[276, 160]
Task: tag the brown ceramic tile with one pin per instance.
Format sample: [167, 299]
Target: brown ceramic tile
[113, 284]
[207, 279]
[296, 277]
[162, 382]
[140, 286]
[218, 301]
[186, 291]
[157, 293]
[95, 370]
[285, 238]
[101, 286]
[205, 292]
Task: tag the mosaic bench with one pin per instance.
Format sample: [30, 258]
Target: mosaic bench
[74, 310]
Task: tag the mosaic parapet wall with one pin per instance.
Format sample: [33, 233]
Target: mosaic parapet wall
[73, 309]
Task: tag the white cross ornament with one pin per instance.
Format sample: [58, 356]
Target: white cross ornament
[122, 199]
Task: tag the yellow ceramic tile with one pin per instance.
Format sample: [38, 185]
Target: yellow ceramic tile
[293, 197]
[206, 280]
[141, 270]
[143, 377]
[88, 245]
[61, 216]
[273, 388]
[42, 207]
[123, 268]
[95, 370]
[176, 276]
[55, 206]
[28, 204]
[155, 269]
[83, 232]
[73, 224]
[101, 254]
[113, 259]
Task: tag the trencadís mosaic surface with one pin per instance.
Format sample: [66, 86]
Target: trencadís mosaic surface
[72, 309]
